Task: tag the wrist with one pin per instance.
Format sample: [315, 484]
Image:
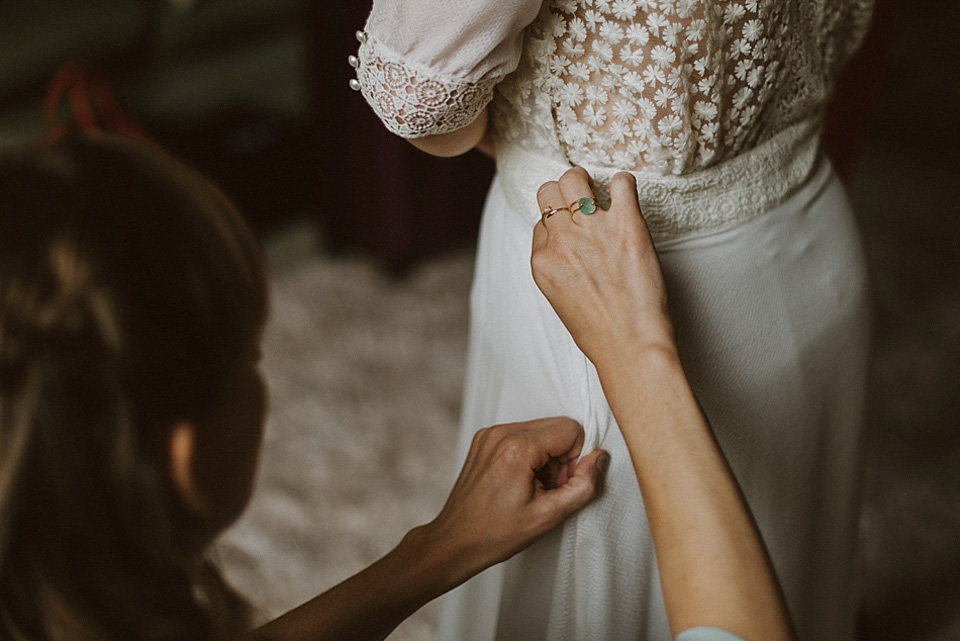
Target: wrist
[638, 374]
[439, 562]
[645, 350]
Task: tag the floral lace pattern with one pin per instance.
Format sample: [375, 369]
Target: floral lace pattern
[413, 103]
[675, 86]
[665, 87]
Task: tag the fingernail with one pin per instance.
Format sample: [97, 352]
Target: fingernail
[603, 461]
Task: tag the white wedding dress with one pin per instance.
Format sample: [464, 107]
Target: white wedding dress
[716, 106]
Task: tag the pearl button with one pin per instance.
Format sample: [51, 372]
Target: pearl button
[355, 84]
[354, 61]
[361, 36]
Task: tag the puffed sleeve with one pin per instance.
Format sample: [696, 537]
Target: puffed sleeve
[429, 66]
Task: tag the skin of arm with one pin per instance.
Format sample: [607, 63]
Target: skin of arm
[602, 276]
[519, 481]
[460, 141]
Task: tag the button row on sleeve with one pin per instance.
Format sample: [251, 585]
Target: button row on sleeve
[355, 62]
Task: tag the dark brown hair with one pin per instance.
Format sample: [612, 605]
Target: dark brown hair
[129, 287]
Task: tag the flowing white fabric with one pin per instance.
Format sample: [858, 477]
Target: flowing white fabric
[716, 108]
[771, 321]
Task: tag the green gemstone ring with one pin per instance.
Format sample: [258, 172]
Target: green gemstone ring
[584, 205]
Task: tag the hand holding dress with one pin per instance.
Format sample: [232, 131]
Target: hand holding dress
[716, 107]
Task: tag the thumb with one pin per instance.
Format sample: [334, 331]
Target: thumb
[580, 488]
[590, 470]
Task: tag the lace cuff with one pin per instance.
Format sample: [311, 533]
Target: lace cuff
[413, 103]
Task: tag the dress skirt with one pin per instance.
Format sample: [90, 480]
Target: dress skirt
[772, 324]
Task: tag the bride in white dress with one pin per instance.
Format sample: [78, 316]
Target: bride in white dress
[716, 106]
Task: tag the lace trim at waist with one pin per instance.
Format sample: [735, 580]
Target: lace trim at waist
[720, 197]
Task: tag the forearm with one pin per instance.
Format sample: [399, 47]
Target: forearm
[498, 506]
[456, 142]
[372, 603]
[713, 566]
[602, 276]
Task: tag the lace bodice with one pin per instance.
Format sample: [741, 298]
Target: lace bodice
[659, 86]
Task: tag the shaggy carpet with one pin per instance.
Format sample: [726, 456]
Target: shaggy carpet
[365, 373]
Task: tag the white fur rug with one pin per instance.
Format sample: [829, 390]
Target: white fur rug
[365, 374]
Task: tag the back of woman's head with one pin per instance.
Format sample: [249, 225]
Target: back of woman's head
[129, 289]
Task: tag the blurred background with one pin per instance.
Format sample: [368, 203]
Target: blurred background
[252, 92]
[370, 272]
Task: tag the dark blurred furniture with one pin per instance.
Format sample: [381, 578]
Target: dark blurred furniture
[379, 192]
[255, 94]
[220, 83]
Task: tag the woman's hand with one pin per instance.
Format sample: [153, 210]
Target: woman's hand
[600, 271]
[519, 482]
[601, 274]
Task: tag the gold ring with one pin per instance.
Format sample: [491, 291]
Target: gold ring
[584, 205]
[550, 211]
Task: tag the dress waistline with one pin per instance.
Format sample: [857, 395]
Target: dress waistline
[717, 198]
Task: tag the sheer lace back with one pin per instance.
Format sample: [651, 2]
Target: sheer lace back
[664, 87]
[666, 91]
[673, 86]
